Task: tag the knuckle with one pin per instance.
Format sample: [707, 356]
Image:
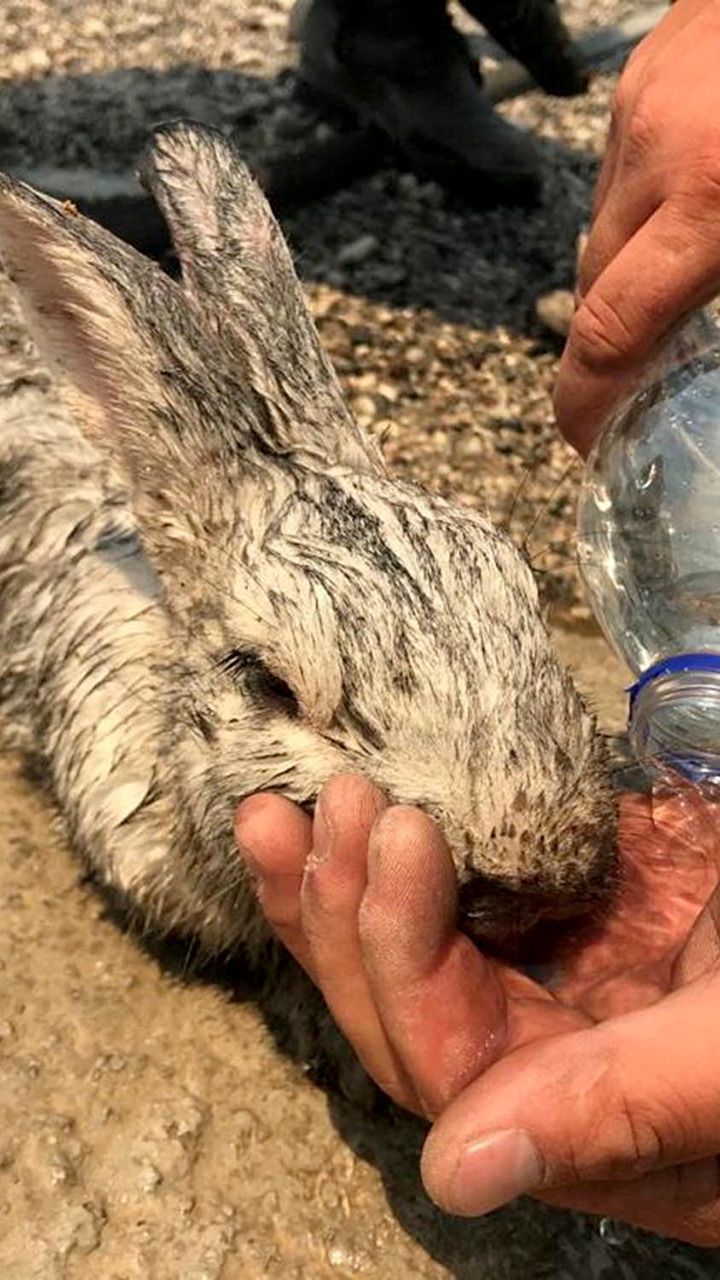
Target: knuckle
[701, 186]
[623, 1142]
[600, 338]
[641, 1142]
[628, 1134]
[626, 90]
[642, 125]
[647, 1134]
[620, 104]
[330, 890]
[634, 64]
[640, 71]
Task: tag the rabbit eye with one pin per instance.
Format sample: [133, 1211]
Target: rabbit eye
[250, 670]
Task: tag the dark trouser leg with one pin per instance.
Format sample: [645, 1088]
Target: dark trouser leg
[402, 68]
[533, 32]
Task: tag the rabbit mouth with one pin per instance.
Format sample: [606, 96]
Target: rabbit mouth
[529, 925]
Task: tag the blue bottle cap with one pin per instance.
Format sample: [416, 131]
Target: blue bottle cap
[693, 768]
[669, 666]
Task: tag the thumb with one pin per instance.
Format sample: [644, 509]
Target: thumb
[665, 270]
[635, 1093]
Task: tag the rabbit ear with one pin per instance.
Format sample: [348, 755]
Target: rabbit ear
[146, 384]
[237, 266]
[79, 290]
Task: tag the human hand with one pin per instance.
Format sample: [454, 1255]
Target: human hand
[653, 253]
[605, 1093]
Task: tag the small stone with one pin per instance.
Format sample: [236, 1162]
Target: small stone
[323, 302]
[93, 29]
[555, 310]
[580, 613]
[37, 60]
[389, 273]
[470, 448]
[149, 1177]
[414, 355]
[408, 184]
[366, 381]
[85, 1225]
[388, 391]
[357, 250]
[365, 409]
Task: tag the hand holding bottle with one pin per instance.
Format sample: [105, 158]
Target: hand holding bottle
[653, 253]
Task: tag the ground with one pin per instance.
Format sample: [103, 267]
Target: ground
[149, 1128]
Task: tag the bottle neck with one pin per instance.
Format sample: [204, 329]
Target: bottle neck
[674, 720]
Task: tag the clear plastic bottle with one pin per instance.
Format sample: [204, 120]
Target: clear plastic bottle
[649, 553]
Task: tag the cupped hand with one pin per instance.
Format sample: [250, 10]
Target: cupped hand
[653, 253]
[602, 1094]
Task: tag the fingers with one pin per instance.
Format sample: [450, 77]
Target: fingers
[669, 267]
[624, 211]
[424, 1010]
[626, 195]
[441, 1003]
[615, 1102]
[275, 838]
[652, 252]
[332, 892]
[310, 880]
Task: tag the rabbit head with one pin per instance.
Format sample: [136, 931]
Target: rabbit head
[325, 618]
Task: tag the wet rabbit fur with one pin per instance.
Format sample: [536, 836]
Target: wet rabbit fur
[210, 586]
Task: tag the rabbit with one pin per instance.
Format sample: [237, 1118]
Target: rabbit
[211, 587]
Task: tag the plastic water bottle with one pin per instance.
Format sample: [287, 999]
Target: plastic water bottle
[649, 553]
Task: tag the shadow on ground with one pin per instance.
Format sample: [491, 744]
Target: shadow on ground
[525, 1239]
[387, 236]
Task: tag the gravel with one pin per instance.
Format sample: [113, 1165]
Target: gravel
[432, 326]
[140, 1113]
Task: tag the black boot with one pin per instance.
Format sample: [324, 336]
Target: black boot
[399, 66]
[533, 32]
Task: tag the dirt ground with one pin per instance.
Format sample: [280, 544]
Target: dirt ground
[149, 1128]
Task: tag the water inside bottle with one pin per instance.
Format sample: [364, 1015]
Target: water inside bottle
[649, 518]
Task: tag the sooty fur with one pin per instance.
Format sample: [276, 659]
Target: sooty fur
[210, 586]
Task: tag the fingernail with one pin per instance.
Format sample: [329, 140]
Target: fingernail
[493, 1170]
